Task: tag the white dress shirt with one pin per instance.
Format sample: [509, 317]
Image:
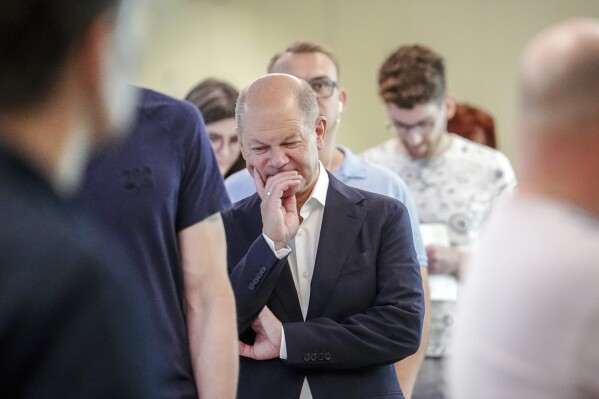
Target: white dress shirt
[303, 253]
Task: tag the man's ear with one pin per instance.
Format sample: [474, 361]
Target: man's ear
[321, 130]
[342, 99]
[450, 106]
[243, 152]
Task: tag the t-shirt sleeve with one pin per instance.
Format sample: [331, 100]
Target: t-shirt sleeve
[202, 190]
[506, 175]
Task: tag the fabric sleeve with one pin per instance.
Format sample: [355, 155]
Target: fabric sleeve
[202, 192]
[408, 201]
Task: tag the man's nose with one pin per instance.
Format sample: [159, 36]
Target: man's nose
[225, 149]
[413, 137]
[278, 158]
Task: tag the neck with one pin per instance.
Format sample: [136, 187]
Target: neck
[584, 198]
[334, 160]
[48, 138]
[562, 168]
[330, 156]
[442, 145]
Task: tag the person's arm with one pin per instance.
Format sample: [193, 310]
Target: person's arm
[210, 308]
[254, 274]
[408, 368]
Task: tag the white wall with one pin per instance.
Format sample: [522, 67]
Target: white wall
[234, 40]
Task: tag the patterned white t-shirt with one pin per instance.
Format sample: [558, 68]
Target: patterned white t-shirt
[455, 189]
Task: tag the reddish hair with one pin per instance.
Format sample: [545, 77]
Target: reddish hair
[467, 119]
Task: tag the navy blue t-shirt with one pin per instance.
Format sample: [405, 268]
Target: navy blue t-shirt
[162, 179]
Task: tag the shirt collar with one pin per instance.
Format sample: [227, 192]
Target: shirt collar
[319, 193]
[350, 167]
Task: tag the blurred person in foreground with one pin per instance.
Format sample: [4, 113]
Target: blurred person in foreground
[216, 101]
[71, 321]
[326, 278]
[529, 316]
[454, 183]
[474, 124]
[319, 66]
[160, 192]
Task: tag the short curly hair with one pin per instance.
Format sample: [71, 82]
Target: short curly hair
[412, 75]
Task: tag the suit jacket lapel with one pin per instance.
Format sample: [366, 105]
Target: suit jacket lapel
[341, 223]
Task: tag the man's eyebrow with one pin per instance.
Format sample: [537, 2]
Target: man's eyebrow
[321, 77]
[290, 136]
[253, 141]
[425, 119]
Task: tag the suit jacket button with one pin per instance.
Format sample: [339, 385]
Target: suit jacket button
[313, 357]
[251, 286]
[307, 357]
[327, 356]
[256, 281]
[263, 270]
[321, 356]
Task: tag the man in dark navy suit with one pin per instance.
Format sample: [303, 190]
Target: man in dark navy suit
[326, 279]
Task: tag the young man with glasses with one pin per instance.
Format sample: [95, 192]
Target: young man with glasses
[454, 182]
[318, 65]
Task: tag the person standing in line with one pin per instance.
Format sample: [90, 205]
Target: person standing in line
[529, 312]
[319, 66]
[216, 101]
[161, 192]
[71, 315]
[454, 182]
[328, 286]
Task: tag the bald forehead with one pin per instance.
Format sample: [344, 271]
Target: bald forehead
[272, 89]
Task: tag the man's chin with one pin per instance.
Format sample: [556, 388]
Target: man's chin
[417, 153]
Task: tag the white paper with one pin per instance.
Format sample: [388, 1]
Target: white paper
[443, 287]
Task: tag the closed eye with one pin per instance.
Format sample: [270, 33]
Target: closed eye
[259, 150]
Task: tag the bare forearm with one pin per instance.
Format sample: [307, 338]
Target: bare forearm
[213, 345]
[210, 309]
[407, 369]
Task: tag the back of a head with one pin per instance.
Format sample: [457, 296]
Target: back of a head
[558, 115]
[278, 89]
[468, 120]
[36, 39]
[215, 99]
[305, 47]
[559, 80]
[412, 75]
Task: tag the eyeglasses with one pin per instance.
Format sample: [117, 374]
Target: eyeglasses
[323, 88]
[425, 127]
